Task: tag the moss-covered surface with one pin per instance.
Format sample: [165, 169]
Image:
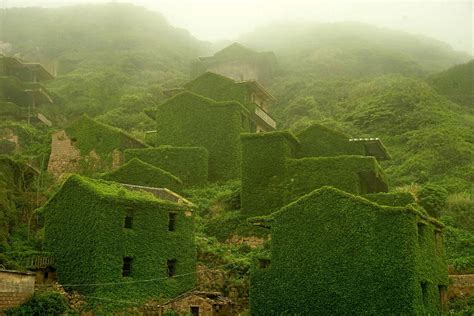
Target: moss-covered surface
[391, 198]
[272, 178]
[192, 120]
[141, 173]
[219, 88]
[264, 169]
[334, 253]
[317, 140]
[190, 164]
[89, 135]
[84, 228]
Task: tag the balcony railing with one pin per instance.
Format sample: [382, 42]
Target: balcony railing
[265, 117]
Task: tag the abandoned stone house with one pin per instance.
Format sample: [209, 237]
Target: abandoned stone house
[103, 233]
[21, 91]
[15, 288]
[88, 146]
[238, 63]
[279, 167]
[333, 253]
[250, 93]
[211, 112]
[200, 303]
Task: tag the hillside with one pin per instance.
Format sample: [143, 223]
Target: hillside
[101, 53]
[352, 49]
[456, 83]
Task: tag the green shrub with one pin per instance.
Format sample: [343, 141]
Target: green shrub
[46, 303]
[433, 198]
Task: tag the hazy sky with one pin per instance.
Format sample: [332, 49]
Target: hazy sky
[448, 20]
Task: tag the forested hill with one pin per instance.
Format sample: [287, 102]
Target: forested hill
[107, 56]
[352, 49]
[457, 83]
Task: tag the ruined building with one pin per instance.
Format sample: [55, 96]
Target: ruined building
[102, 233]
[340, 244]
[211, 112]
[21, 91]
[334, 253]
[278, 167]
[238, 63]
[88, 146]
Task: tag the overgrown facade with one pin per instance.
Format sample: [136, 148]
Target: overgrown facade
[333, 253]
[113, 243]
[88, 146]
[239, 63]
[279, 167]
[21, 91]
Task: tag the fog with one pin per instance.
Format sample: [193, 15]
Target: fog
[214, 20]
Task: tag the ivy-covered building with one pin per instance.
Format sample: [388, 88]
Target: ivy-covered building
[114, 243]
[88, 146]
[21, 91]
[137, 172]
[251, 94]
[239, 63]
[279, 167]
[334, 253]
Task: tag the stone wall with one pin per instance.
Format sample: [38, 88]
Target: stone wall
[461, 286]
[15, 288]
[64, 156]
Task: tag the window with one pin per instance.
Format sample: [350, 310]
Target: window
[172, 222]
[127, 266]
[194, 310]
[438, 240]
[421, 231]
[424, 293]
[128, 219]
[443, 297]
[263, 263]
[171, 267]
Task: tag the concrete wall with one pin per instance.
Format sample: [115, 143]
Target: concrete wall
[15, 288]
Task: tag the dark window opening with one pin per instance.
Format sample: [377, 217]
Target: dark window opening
[171, 270]
[424, 292]
[172, 222]
[443, 297]
[128, 220]
[263, 263]
[438, 240]
[45, 274]
[421, 231]
[127, 266]
[194, 310]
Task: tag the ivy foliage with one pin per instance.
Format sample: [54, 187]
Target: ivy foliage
[188, 119]
[141, 173]
[270, 183]
[368, 247]
[457, 83]
[85, 229]
[89, 136]
[190, 164]
[433, 199]
[45, 303]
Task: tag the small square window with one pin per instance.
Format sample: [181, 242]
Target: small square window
[127, 266]
[172, 221]
[171, 267]
[128, 223]
[263, 263]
